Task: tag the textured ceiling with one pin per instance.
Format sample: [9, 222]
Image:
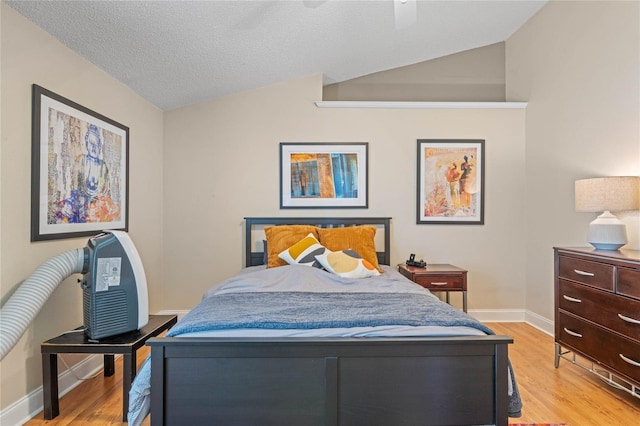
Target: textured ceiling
[176, 53]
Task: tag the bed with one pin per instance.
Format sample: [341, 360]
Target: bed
[334, 370]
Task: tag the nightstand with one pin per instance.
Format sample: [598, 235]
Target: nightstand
[438, 277]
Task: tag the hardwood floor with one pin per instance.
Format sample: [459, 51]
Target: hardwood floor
[567, 394]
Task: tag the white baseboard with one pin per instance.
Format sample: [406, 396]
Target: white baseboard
[29, 406]
[543, 324]
[500, 315]
[179, 313]
[514, 315]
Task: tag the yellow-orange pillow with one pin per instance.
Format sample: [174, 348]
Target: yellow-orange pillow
[357, 238]
[281, 237]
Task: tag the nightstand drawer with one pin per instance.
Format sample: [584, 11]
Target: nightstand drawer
[617, 313]
[584, 271]
[617, 353]
[440, 282]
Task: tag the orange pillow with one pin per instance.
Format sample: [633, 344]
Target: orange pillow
[281, 237]
[357, 238]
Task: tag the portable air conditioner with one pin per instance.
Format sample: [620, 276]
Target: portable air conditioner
[114, 288]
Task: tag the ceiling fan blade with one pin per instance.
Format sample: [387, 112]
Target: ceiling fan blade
[405, 12]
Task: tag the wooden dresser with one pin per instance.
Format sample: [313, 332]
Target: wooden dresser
[597, 312]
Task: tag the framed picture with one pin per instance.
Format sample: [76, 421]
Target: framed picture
[323, 175]
[79, 170]
[451, 181]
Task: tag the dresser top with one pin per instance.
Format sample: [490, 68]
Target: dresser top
[622, 254]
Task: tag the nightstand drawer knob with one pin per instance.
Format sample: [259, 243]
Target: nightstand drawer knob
[571, 299]
[586, 274]
[573, 333]
[630, 361]
[434, 283]
[627, 319]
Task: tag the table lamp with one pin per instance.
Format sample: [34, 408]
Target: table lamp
[607, 194]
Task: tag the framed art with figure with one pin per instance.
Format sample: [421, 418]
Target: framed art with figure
[79, 170]
[323, 175]
[450, 181]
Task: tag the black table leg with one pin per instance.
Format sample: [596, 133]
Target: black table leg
[128, 374]
[50, 385]
[109, 365]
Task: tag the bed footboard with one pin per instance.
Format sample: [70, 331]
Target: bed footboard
[330, 381]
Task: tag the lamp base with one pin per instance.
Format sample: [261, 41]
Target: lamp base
[601, 246]
[607, 232]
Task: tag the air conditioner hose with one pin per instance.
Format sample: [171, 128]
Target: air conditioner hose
[23, 305]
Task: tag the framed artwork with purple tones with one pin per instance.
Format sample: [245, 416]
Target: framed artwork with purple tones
[323, 175]
[450, 181]
[79, 170]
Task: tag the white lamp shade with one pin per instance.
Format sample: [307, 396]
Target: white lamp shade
[615, 193]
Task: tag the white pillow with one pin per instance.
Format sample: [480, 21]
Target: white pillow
[347, 263]
[304, 252]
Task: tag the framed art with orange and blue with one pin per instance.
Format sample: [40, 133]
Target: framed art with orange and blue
[450, 181]
[323, 175]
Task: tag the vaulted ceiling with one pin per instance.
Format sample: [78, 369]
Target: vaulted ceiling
[176, 53]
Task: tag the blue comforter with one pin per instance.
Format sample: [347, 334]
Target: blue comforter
[311, 310]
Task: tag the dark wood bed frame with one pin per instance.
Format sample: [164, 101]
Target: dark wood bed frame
[329, 381]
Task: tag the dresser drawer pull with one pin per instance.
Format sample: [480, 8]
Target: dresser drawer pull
[627, 319]
[439, 283]
[573, 333]
[586, 274]
[630, 361]
[571, 299]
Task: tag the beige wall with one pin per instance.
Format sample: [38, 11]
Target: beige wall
[473, 75]
[222, 164]
[29, 55]
[577, 64]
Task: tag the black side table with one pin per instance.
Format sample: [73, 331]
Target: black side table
[126, 344]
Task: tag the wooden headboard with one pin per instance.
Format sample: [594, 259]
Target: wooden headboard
[254, 258]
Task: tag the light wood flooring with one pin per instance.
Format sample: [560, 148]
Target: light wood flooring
[567, 394]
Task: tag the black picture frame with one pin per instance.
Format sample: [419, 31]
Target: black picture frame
[79, 169]
[450, 187]
[324, 175]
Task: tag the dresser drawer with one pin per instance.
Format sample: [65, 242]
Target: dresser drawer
[439, 282]
[629, 282]
[617, 313]
[585, 271]
[618, 354]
